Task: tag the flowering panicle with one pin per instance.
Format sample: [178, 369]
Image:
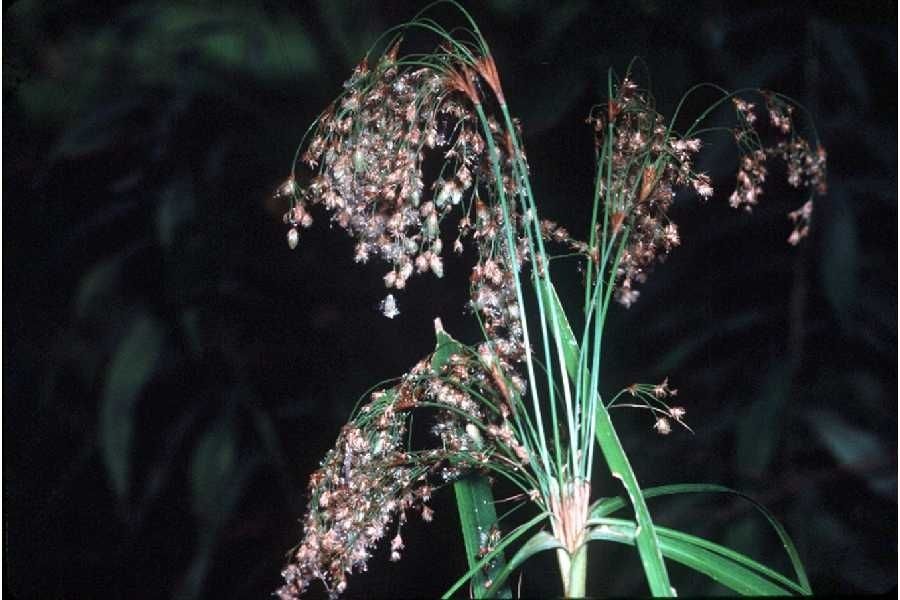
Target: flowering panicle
[806, 168]
[365, 160]
[751, 175]
[373, 479]
[644, 161]
[653, 398]
[780, 113]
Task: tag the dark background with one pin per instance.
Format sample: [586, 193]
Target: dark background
[173, 373]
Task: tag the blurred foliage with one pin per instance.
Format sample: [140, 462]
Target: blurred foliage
[173, 373]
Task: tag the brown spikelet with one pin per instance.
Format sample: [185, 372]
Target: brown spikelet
[460, 80]
[391, 55]
[487, 68]
[648, 181]
[613, 110]
[363, 67]
[500, 383]
[406, 403]
[616, 221]
[510, 147]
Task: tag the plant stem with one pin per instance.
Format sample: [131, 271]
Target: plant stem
[573, 571]
[570, 514]
[578, 574]
[565, 569]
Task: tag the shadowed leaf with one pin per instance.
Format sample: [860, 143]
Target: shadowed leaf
[133, 365]
[840, 259]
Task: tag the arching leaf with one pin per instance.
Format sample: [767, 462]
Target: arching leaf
[608, 506]
[133, 364]
[732, 569]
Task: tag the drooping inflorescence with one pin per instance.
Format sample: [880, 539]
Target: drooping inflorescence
[366, 158]
[372, 479]
[365, 166]
[645, 161]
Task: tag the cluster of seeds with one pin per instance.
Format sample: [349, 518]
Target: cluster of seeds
[750, 177]
[366, 162]
[364, 482]
[806, 167]
[366, 168]
[646, 162]
[492, 290]
[372, 479]
[653, 397]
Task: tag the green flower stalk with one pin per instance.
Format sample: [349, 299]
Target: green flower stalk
[524, 403]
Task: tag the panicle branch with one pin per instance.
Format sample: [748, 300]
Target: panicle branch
[644, 161]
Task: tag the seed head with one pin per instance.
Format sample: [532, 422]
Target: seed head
[293, 238]
[389, 307]
[662, 426]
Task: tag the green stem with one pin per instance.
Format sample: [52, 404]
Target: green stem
[509, 231]
[573, 571]
[565, 569]
[577, 581]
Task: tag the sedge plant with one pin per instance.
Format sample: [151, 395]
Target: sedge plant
[524, 403]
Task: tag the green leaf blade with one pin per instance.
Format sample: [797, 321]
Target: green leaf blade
[539, 542]
[477, 518]
[511, 537]
[608, 506]
[132, 367]
[735, 571]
